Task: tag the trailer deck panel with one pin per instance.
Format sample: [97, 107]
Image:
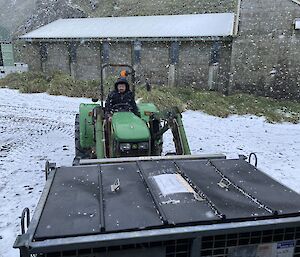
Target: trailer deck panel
[229, 201]
[72, 206]
[268, 191]
[144, 195]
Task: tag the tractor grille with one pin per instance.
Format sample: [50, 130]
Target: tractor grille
[219, 245]
[173, 248]
[134, 153]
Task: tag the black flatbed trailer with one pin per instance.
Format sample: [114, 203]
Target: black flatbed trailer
[203, 205]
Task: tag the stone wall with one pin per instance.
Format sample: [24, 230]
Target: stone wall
[193, 63]
[57, 58]
[29, 53]
[120, 52]
[196, 65]
[88, 60]
[266, 53]
[153, 61]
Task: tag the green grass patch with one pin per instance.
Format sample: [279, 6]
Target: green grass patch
[162, 97]
[57, 83]
[216, 104]
[30, 82]
[63, 84]
[210, 102]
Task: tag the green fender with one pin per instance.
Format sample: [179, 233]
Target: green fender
[86, 125]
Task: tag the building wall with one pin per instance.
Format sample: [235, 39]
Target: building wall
[153, 64]
[223, 78]
[119, 53]
[266, 55]
[194, 58]
[195, 63]
[29, 53]
[57, 58]
[88, 61]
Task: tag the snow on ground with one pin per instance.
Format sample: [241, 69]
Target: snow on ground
[38, 127]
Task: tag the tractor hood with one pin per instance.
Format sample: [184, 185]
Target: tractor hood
[128, 127]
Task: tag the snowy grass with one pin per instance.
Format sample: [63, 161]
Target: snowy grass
[216, 104]
[187, 98]
[55, 84]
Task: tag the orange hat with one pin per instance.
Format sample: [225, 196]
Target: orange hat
[123, 74]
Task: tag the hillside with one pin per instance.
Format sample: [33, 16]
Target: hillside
[97, 8]
[13, 13]
[4, 33]
[21, 16]
[48, 11]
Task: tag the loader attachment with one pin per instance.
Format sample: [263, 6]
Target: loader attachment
[133, 204]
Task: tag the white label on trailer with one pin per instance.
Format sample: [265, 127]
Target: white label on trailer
[172, 184]
[285, 249]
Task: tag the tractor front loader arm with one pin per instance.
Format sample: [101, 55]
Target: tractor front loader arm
[173, 121]
[99, 131]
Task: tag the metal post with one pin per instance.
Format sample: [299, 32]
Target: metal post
[25, 217]
[214, 66]
[72, 50]
[237, 18]
[101, 86]
[136, 60]
[174, 59]
[1, 56]
[43, 55]
[196, 247]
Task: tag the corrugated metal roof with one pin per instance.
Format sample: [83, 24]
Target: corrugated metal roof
[166, 26]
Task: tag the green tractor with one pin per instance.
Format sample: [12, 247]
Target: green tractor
[126, 135]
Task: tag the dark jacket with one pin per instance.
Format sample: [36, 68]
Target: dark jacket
[115, 97]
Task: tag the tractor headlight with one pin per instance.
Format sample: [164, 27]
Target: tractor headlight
[125, 147]
[144, 146]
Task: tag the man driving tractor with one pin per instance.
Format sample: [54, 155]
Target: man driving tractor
[121, 98]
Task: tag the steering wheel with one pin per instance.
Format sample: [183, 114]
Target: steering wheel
[122, 107]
